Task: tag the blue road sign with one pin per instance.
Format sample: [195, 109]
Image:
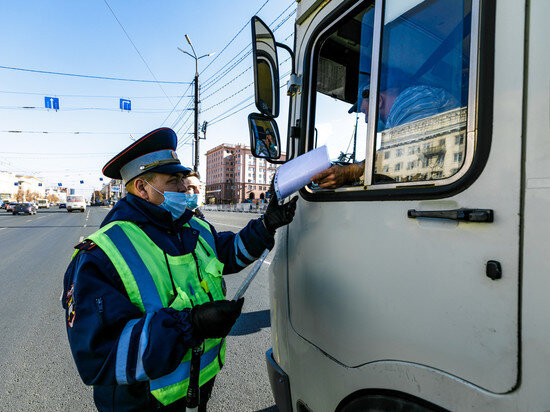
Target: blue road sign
[125, 104]
[101, 179]
[60, 184]
[82, 181]
[51, 102]
[39, 184]
[16, 184]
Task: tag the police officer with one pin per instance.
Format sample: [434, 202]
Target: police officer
[146, 287]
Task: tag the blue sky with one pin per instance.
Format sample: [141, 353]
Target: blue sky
[83, 37]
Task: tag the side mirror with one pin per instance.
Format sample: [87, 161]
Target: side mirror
[265, 141]
[266, 68]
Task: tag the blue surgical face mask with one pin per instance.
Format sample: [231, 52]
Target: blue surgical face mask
[174, 202]
[193, 201]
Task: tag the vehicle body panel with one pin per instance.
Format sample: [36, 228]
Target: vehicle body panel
[363, 297]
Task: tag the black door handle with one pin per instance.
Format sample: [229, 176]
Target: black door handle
[463, 215]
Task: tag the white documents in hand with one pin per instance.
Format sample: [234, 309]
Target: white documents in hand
[295, 174]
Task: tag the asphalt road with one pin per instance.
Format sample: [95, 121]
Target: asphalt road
[37, 372]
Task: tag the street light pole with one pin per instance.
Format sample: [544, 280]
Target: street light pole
[196, 82]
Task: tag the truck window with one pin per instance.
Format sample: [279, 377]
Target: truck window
[423, 74]
[423, 90]
[337, 77]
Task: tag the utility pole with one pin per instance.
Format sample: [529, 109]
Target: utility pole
[196, 164]
[196, 81]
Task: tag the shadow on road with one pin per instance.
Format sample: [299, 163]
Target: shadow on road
[251, 322]
[270, 409]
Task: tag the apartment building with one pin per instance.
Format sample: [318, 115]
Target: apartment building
[11, 184]
[427, 149]
[233, 175]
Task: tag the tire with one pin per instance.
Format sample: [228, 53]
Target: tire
[14, 213]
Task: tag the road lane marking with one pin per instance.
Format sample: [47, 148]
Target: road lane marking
[30, 220]
[2, 228]
[225, 224]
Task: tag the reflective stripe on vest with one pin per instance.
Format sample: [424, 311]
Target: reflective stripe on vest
[145, 271]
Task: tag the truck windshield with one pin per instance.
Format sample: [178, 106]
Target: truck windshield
[422, 102]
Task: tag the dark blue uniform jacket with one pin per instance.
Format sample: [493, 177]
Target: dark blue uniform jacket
[97, 305]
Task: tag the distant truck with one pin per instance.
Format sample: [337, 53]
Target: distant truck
[76, 203]
[43, 203]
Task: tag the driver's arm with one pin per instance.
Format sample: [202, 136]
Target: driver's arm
[338, 176]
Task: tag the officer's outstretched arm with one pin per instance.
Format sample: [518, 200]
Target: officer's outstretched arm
[238, 250]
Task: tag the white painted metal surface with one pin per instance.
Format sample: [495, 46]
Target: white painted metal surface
[363, 297]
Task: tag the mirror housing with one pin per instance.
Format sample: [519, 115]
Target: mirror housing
[266, 68]
[265, 141]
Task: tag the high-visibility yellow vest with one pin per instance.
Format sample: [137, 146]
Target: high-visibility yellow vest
[151, 277]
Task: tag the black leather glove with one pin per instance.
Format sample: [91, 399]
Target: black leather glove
[278, 215]
[215, 319]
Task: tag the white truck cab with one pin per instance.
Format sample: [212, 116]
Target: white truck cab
[76, 203]
[43, 203]
[423, 283]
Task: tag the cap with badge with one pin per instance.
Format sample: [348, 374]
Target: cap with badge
[154, 152]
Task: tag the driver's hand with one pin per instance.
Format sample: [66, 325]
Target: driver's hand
[338, 176]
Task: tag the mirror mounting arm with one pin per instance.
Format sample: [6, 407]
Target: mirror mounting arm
[295, 82]
[289, 50]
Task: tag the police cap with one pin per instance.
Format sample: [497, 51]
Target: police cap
[154, 152]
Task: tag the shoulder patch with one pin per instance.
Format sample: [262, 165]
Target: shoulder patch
[85, 245]
[71, 307]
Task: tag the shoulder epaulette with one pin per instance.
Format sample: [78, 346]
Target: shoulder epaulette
[85, 245]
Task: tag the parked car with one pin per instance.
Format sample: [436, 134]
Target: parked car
[28, 208]
[5, 203]
[63, 206]
[10, 206]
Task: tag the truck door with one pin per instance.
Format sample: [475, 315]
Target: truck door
[406, 262]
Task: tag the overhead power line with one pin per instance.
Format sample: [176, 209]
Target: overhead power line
[188, 107]
[226, 70]
[90, 76]
[84, 95]
[228, 83]
[234, 37]
[240, 91]
[184, 122]
[241, 73]
[65, 132]
[174, 108]
[247, 46]
[221, 116]
[74, 109]
[138, 52]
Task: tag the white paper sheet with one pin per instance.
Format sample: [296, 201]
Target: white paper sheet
[295, 174]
